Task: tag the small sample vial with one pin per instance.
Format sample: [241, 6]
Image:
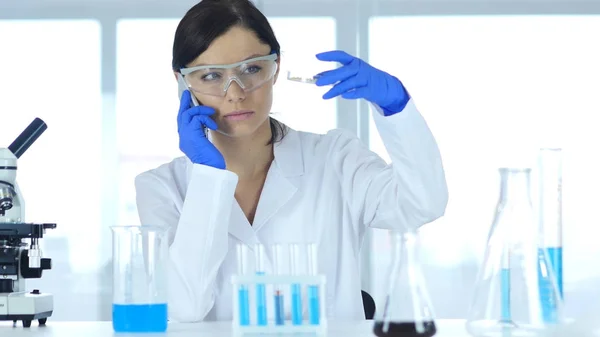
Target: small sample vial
[302, 77]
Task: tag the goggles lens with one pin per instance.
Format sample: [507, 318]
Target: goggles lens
[215, 80]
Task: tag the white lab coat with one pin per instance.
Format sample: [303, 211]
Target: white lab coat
[322, 188]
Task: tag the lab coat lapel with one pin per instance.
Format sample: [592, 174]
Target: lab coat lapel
[239, 227]
[279, 187]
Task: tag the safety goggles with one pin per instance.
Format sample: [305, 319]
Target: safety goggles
[215, 79]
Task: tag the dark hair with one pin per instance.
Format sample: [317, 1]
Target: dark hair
[208, 20]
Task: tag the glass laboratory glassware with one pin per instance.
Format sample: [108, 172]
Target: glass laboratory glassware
[243, 293]
[506, 301]
[278, 295]
[550, 212]
[261, 292]
[296, 288]
[140, 259]
[407, 311]
[314, 306]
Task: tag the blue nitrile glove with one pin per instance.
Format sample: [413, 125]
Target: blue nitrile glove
[358, 79]
[192, 139]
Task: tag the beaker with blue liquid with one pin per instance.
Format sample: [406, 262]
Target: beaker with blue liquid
[140, 255]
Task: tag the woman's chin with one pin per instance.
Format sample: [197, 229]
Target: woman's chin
[245, 128]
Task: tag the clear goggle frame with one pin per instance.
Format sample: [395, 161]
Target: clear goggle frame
[215, 79]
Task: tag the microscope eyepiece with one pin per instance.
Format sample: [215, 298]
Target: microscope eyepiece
[27, 137]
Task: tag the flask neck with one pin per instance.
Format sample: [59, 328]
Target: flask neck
[404, 241]
[515, 185]
[404, 251]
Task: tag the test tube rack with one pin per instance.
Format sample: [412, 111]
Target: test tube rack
[307, 326]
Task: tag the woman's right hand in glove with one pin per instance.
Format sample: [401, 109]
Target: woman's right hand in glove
[191, 121]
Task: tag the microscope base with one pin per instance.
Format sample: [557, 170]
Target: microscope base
[26, 307]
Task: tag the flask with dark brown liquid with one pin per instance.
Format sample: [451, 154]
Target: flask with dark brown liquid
[404, 329]
[407, 311]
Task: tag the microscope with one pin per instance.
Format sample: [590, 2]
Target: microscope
[20, 253]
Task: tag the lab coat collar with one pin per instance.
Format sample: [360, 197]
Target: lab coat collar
[277, 191]
[279, 188]
[288, 154]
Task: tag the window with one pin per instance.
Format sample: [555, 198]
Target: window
[147, 104]
[493, 89]
[51, 70]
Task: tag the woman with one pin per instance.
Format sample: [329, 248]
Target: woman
[249, 179]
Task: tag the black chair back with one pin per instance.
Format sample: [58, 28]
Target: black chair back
[368, 305]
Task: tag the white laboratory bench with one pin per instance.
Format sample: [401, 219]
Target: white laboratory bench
[446, 328]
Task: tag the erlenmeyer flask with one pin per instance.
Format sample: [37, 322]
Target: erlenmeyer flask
[407, 311]
[515, 271]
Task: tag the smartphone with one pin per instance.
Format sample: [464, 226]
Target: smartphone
[182, 86]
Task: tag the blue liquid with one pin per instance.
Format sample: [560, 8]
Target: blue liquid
[313, 305]
[547, 300]
[279, 314]
[261, 304]
[244, 306]
[296, 304]
[505, 294]
[139, 317]
[556, 256]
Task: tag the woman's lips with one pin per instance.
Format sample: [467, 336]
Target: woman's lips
[239, 115]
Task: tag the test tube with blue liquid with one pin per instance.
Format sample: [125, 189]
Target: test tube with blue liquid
[277, 288]
[243, 293]
[296, 288]
[550, 217]
[313, 289]
[261, 293]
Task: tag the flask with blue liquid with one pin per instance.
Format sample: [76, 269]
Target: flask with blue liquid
[140, 259]
[515, 269]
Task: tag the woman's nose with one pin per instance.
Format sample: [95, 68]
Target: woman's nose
[234, 90]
